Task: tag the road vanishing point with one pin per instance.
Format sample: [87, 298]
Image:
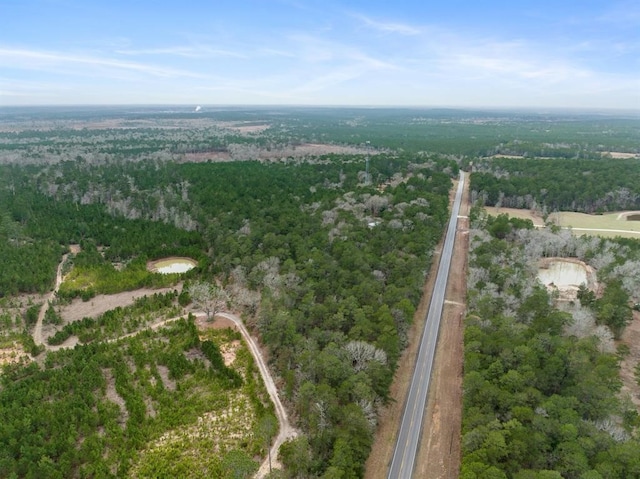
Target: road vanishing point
[404, 455]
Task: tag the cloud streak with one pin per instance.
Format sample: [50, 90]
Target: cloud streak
[43, 60]
[186, 52]
[304, 51]
[388, 27]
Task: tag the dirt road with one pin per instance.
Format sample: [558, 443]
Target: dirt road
[37, 330]
[286, 430]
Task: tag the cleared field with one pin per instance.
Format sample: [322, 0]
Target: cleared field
[607, 225]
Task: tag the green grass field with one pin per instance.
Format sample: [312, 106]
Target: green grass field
[608, 225]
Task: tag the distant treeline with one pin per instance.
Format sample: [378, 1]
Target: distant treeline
[586, 185]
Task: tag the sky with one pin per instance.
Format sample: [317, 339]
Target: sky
[447, 53]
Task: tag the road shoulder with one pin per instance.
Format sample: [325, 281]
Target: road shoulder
[448, 368]
[439, 453]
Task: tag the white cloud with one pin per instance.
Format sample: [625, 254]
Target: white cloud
[187, 52]
[274, 52]
[45, 60]
[389, 27]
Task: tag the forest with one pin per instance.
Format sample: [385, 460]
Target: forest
[324, 256]
[325, 260]
[541, 377]
[547, 184]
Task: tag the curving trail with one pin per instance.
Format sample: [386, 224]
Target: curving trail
[624, 214]
[286, 430]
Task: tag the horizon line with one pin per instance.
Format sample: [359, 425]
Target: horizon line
[313, 105]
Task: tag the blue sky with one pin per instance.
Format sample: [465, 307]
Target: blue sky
[468, 53]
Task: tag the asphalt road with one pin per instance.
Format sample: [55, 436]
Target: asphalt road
[404, 456]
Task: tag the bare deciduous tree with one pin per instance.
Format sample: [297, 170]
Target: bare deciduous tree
[362, 353]
[375, 204]
[629, 274]
[613, 428]
[208, 297]
[583, 322]
[605, 339]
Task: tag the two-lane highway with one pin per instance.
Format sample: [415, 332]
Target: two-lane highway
[404, 456]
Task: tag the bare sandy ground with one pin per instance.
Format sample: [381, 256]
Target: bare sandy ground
[286, 431]
[14, 354]
[631, 337]
[620, 156]
[102, 303]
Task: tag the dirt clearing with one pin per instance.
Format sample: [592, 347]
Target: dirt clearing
[517, 213]
[78, 309]
[619, 155]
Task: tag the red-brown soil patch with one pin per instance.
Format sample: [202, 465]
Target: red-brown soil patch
[631, 337]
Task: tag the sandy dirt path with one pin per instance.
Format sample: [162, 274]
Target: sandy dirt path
[37, 331]
[286, 430]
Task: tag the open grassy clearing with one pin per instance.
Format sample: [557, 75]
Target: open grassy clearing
[607, 225]
[158, 399]
[221, 442]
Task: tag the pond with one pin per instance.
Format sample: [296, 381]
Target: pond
[563, 274]
[172, 265]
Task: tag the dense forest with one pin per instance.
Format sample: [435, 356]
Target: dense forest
[541, 378]
[134, 133]
[325, 256]
[325, 259]
[549, 184]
